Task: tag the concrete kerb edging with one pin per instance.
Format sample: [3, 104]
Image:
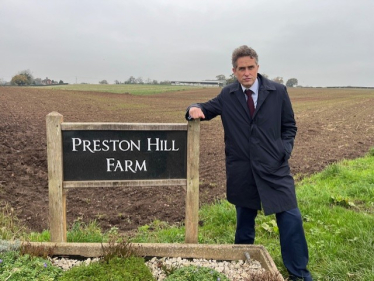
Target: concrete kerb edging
[198, 251]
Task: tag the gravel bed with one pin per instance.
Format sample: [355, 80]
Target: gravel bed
[234, 270]
[66, 263]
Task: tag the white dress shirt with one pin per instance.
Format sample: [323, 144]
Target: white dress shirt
[254, 89]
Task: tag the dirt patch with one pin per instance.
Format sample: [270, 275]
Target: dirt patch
[333, 124]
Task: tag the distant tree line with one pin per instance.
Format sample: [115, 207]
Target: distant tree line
[139, 80]
[25, 78]
[292, 82]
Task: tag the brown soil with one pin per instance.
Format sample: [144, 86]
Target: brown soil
[333, 124]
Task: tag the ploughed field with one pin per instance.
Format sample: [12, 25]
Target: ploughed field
[333, 124]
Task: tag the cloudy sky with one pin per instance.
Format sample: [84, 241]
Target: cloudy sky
[320, 42]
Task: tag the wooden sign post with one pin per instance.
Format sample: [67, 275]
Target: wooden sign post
[82, 155]
[192, 196]
[57, 194]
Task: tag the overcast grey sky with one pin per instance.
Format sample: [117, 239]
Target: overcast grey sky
[320, 42]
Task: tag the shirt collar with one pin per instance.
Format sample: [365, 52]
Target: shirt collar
[253, 88]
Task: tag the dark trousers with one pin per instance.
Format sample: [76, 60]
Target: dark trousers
[292, 238]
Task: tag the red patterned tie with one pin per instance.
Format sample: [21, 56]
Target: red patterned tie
[250, 102]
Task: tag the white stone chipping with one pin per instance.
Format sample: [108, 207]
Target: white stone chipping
[234, 270]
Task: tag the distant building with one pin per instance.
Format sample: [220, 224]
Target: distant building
[47, 81]
[206, 83]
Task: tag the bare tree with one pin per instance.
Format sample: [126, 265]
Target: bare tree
[131, 80]
[221, 77]
[231, 79]
[278, 80]
[38, 81]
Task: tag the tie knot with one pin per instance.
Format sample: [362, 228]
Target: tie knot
[248, 92]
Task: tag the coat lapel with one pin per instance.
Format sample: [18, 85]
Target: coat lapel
[263, 92]
[262, 95]
[243, 107]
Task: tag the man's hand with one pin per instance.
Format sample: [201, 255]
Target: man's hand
[196, 113]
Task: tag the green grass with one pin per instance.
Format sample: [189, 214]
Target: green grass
[78, 232]
[338, 207]
[10, 227]
[129, 269]
[15, 267]
[194, 273]
[138, 89]
[338, 211]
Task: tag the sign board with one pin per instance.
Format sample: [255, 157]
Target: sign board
[124, 155]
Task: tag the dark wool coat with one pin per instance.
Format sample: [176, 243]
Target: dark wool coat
[257, 149]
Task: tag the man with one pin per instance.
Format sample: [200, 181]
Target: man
[259, 132]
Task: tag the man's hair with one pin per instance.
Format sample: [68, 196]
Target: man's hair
[243, 51]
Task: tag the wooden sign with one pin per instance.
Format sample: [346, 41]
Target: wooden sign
[85, 155]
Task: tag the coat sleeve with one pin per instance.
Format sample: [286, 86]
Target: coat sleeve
[288, 124]
[211, 108]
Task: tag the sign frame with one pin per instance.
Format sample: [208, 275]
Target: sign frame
[58, 187]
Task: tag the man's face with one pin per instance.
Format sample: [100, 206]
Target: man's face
[246, 71]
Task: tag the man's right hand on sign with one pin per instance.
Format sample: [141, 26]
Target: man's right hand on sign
[196, 112]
